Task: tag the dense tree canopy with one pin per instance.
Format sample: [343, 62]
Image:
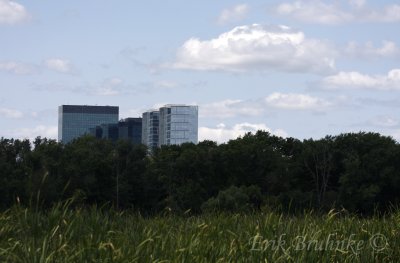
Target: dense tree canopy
[356, 171]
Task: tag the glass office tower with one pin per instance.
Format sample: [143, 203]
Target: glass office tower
[76, 120]
[150, 127]
[130, 129]
[178, 124]
[108, 131]
[126, 129]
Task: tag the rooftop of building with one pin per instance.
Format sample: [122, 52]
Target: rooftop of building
[178, 105]
[131, 119]
[89, 109]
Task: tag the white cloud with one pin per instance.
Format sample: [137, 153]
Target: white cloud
[222, 134]
[354, 79]
[233, 14]
[294, 101]
[43, 131]
[257, 47]
[314, 11]
[11, 113]
[230, 108]
[59, 65]
[320, 12]
[12, 13]
[388, 49]
[17, 68]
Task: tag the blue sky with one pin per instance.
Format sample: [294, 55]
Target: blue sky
[294, 68]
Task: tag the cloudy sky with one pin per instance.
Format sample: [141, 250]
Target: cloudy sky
[294, 68]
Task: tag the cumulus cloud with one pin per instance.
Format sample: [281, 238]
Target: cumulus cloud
[221, 133]
[388, 49]
[12, 13]
[59, 65]
[11, 113]
[294, 101]
[321, 12]
[257, 47]
[233, 14]
[17, 68]
[353, 79]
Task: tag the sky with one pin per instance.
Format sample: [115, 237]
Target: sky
[302, 69]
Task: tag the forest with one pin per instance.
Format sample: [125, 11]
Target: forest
[356, 172]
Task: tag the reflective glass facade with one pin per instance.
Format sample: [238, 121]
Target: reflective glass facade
[109, 131]
[126, 129]
[130, 129]
[150, 128]
[77, 120]
[178, 124]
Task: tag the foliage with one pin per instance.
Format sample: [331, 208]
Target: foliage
[234, 199]
[356, 171]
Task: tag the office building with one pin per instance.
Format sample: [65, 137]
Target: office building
[126, 129]
[178, 124]
[130, 129]
[107, 131]
[77, 120]
[150, 127]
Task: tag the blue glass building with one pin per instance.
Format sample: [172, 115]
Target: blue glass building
[130, 129]
[178, 124]
[77, 120]
[150, 127]
[126, 129]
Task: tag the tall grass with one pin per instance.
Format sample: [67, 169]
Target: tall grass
[66, 234]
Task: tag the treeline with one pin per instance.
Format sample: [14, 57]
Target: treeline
[359, 172]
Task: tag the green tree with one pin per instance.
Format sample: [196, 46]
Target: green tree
[235, 199]
[370, 177]
[14, 173]
[88, 166]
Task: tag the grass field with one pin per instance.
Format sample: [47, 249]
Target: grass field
[63, 234]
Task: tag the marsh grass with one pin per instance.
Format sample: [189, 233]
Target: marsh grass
[68, 233]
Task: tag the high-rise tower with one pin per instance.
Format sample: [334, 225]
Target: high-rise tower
[178, 124]
[76, 120]
[150, 128]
